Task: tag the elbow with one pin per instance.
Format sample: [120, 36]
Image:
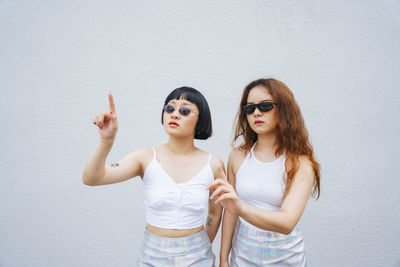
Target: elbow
[286, 228]
[87, 181]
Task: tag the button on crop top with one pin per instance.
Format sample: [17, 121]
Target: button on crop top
[172, 205]
[261, 184]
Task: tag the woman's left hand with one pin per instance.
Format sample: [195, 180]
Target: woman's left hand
[224, 193]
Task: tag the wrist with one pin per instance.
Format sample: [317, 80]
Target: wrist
[240, 209]
[107, 141]
[223, 258]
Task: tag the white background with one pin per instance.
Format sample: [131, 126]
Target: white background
[58, 60]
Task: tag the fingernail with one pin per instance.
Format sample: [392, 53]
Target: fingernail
[110, 112]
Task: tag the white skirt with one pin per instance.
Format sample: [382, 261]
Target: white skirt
[251, 247]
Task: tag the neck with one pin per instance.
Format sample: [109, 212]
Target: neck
[266, 142]
[179, 145]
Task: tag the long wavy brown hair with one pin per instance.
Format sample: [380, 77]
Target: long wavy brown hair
[291, 133]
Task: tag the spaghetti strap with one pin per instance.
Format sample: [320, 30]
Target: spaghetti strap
[209, 158]
[252, 149]
[154, 153]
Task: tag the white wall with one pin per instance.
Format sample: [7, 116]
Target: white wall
[58, 60]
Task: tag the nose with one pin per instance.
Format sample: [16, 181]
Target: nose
[257, 112]
[175, 114]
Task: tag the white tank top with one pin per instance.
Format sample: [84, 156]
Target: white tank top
[261, 184]
[172, 205]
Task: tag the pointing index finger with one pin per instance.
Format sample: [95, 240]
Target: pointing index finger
[111, 101]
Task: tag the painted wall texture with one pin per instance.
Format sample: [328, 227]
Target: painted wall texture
[58, 60]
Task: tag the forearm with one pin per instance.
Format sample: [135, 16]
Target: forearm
[212, 225]
[95, 167]
[276, 221]
[228, 228]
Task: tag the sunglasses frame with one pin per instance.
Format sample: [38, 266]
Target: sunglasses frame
[249, 109]
[184, 111]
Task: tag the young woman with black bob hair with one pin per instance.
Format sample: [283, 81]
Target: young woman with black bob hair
[175, 177]
[274, 173]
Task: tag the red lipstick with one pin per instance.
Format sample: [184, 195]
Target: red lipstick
[173, 124]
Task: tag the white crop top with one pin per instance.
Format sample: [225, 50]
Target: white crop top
[172, 205]
[261, 184]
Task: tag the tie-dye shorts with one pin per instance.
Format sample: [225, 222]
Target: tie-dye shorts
[251, 247]
[194, 250]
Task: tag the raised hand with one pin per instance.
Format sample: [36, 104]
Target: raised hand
[107, 121]
[224, 193]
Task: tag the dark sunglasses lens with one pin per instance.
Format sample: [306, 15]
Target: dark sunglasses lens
[264, 107]
[248, 109]
[169, 108]
[184, 111]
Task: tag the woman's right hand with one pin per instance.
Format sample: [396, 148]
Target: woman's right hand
[225, 194]
[107, 122]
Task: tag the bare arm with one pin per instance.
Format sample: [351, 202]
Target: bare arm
[214, 210]
[228, 229]
[96, 172]
[213, 219]
[291, 210]
[229, 220]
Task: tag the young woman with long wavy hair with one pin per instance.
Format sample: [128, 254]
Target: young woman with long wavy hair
[271, 176]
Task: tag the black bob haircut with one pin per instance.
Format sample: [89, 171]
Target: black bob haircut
[204, 124]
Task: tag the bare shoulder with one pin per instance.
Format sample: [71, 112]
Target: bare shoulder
[237, 153]
[236, 158]
[145, 154]
[305, 163]
[306, 171]
[141, 155]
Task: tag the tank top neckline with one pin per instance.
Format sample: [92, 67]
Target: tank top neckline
[171, 179]
[252, 155]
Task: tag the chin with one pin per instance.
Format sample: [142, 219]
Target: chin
[261, 131]
[177, 134]
[171, 132]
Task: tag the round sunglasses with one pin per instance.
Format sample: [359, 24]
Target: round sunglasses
[183, 111]
[263, 107]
